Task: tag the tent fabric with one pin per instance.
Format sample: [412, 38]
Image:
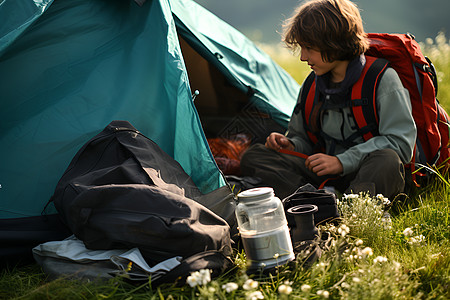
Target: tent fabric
[64, 80]
[16, 17]
[69, 68]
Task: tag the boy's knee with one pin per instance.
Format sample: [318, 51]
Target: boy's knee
[388, 172]
[387, 160]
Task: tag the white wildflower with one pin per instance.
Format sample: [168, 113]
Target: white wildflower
[350, 196]
[380, 259]
[250, 284]
[441, 39]
[345, 285]
[367, 252]
[408, 231]
[192, 281]
[285, 289]
[230, 287]
[359, 242]
[397, 265]
[255, 295]
[343, 230]
[201, 277]
[276, 256]
[356, 279]
[416, 240]
[323, 293]
[305, 288]
[383, 199]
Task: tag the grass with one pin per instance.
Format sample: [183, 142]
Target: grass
[405, 256]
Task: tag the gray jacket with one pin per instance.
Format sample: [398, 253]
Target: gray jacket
[396, 126]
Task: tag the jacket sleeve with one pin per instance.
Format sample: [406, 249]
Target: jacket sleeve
[296, 132]
[396, 125]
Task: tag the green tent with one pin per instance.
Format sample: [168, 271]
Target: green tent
[68, 68]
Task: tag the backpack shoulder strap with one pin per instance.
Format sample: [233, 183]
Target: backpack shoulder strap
[363, 101]
[363, 97]
[308, 107]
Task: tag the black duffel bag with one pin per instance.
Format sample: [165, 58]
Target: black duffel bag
[122, 191]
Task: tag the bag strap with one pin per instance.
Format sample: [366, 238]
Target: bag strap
[364, 106]
[309, 102]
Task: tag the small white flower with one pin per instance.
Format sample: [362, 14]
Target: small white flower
[380, 259]
[383, 199]
[205, 276]
[351, 196]
[356, 279]
[416, 239]
[250, 284]
[276, 255]
[192, 280]
[397, 265]
[255, 295]
[408, 231]
[285, 289]
[305, 288]
[323, 293]
[230, 287]
[201, 277]
[343, 230]
[367, 252]
[359, 242]
[345, 285]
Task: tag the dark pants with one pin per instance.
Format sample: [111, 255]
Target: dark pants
[381, 172]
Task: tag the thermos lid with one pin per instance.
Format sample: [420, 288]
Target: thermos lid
[261, 193]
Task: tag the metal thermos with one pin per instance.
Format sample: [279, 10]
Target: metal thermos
[263, 228]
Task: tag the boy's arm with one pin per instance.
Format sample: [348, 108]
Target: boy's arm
[396, 125]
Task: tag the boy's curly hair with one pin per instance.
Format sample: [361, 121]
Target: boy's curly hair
[333, 27]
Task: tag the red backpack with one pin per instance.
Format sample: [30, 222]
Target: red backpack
[417, 74]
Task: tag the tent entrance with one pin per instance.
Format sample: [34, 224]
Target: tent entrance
[230, 121]
[224, 110]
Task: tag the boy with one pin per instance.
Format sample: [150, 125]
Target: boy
[331, 39]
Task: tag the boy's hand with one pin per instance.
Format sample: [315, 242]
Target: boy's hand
[277, 141]
[323, 164]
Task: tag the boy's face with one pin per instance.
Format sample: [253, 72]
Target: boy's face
[315, 62]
